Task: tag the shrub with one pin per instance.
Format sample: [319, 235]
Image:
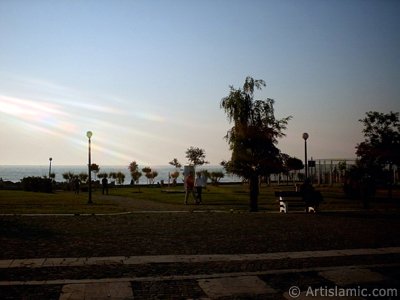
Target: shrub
[37, 184]
[216, 177]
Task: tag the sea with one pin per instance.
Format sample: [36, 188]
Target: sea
[15, 173]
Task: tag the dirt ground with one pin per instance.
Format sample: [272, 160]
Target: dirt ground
[193, 233]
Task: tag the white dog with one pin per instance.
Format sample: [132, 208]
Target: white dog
[311, 209]
[282, 206]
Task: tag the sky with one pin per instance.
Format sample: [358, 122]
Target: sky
[147, 77]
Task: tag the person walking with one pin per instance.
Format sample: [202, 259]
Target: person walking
[104, 182]
[189, 187]
[77, 185]
[199, 184]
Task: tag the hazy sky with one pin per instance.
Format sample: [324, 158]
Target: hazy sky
[147, 77]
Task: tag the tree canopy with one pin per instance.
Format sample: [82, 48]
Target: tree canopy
[382, 139]
[134, 170]
[254, 135]
[175, 163]
[196, 156]
[380, 150]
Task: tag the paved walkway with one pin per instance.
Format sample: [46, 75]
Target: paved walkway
[272, 283]
[136, 260]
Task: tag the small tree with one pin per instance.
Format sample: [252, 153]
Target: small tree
[102, 175]
[175, 163]
[216, 176]
[174, 176]
[153, 175]
[150, 174]
[196, 156]
[294, 164]
[69, 177]
[113, 175]
[147, 173]
[120, 177]
[134, 170]
[83, 177]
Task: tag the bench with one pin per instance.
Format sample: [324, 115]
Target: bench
[295, 199]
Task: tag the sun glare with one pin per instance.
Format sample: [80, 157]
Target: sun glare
[64, 113]
[46, 117]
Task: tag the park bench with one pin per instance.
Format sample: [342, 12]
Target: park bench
[292, 199]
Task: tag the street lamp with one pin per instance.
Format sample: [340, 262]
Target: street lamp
[50, 159]
[305, 137]
[89, 135]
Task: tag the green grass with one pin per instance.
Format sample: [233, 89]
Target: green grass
[225, 197]
[124, 199]
[20, 202]
[186, 233]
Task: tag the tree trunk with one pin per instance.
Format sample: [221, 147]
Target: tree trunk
[254, 191]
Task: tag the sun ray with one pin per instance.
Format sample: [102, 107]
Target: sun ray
[61, 113]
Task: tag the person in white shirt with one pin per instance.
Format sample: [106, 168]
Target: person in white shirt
[199, 184]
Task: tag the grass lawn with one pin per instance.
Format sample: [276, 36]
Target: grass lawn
[128, 199]
[193, 233]
[125, 199]
[20, 202]
[231, 230]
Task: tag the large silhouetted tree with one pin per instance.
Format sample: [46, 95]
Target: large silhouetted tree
[381, 147]
[254, 135]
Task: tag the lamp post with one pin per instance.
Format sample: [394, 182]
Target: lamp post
[50, 159]
[305, 137]
[89, 135]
